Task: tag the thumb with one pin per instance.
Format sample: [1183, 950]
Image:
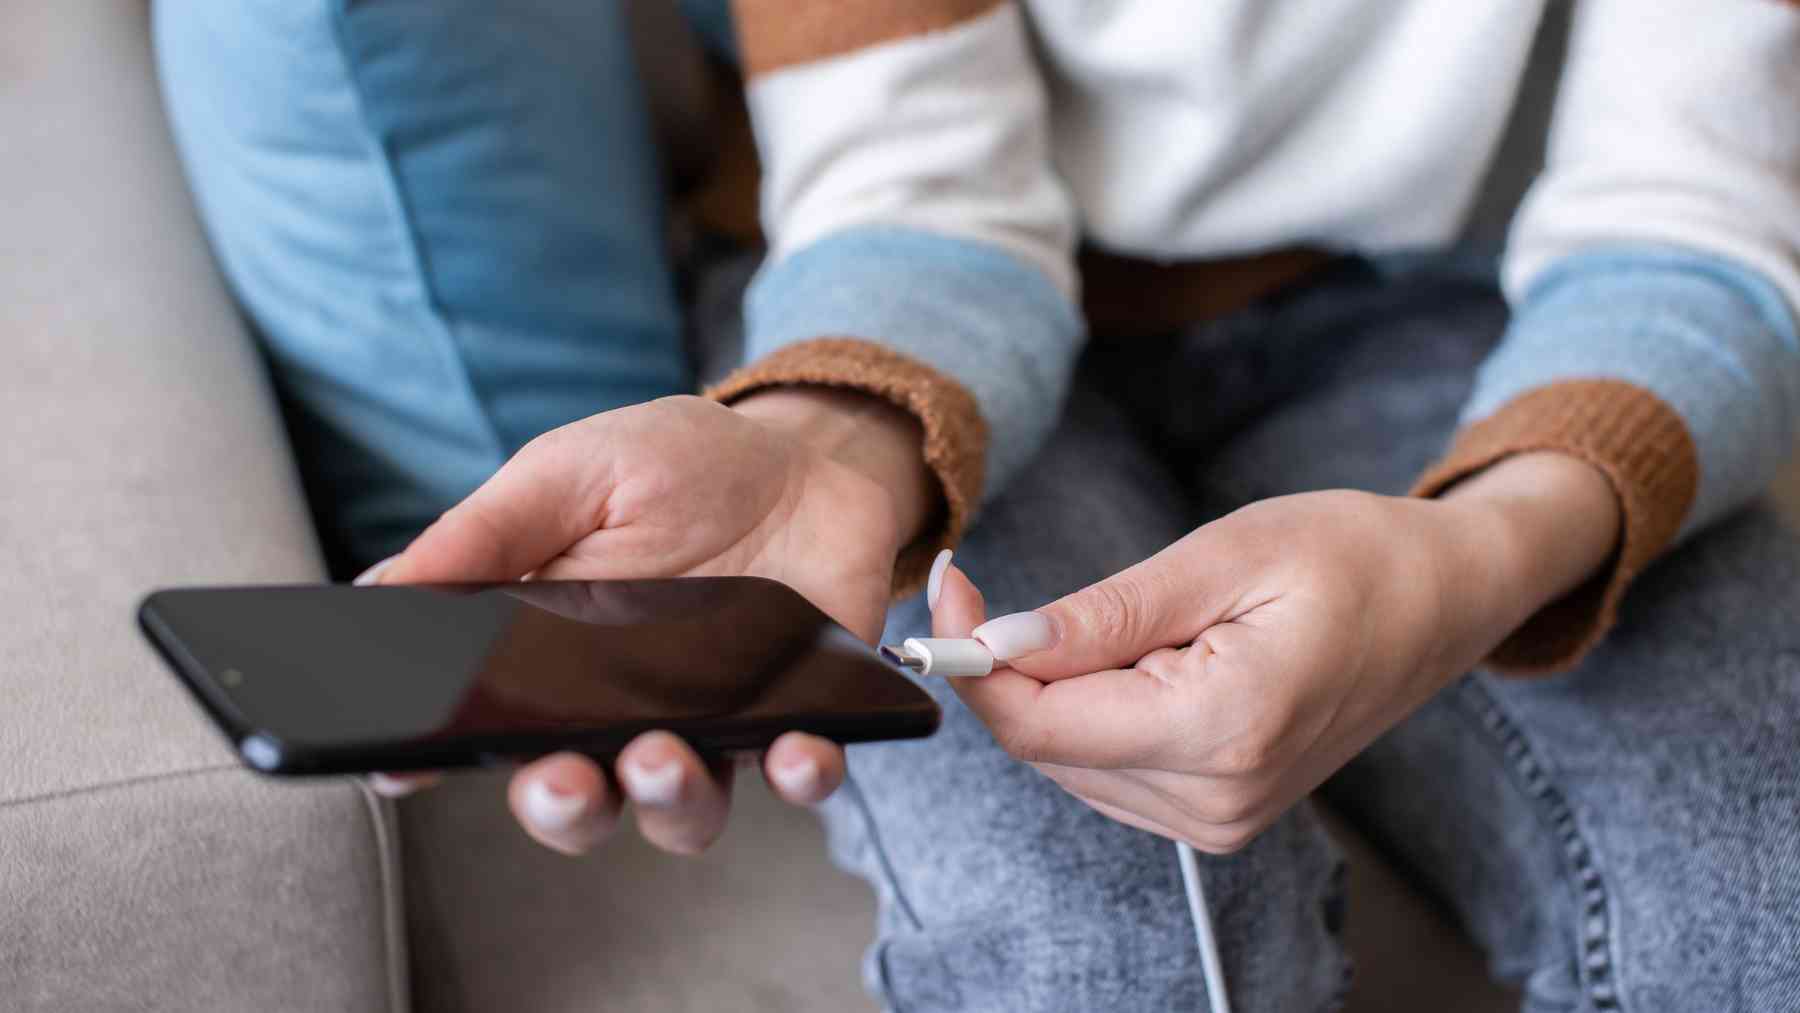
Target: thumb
[1106, 625]
[545, 499]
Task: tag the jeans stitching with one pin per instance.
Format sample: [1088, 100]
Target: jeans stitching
[1594, 930]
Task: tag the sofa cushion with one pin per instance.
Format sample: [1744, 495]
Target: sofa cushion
[200, 891]
[142, 447]
[140, 868]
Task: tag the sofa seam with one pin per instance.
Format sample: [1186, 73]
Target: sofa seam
[127, 782]
[418, 261]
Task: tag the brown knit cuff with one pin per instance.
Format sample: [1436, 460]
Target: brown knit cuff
[1642, 447]
[955, 433]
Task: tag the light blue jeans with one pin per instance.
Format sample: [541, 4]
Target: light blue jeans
[1625, 836]
[445, 221]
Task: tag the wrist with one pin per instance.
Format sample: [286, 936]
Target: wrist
[1533, 527]
[862, 432]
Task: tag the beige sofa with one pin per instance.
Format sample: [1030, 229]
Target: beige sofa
[140, 868]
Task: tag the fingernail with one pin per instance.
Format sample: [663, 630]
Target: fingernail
[561, 820]
[799, 779]
[935, 582]
[1017, 635]
[389, 786]
[653, 786]
[373, 573]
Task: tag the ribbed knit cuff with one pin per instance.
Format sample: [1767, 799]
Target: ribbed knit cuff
[956, 435]
[1642, 447]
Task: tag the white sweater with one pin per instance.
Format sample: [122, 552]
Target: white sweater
[930, 166]
[1180, 130]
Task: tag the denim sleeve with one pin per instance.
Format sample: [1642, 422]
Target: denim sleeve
[1714, 341]
[969, 309]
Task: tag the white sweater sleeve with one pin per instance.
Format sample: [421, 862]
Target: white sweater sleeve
[1677, 124]
[910, 202]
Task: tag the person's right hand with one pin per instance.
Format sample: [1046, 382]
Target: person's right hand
[1201, 693]
[818, 489]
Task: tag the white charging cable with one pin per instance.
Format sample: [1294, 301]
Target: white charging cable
[950, 657]
[1216, 998]
[962, 658]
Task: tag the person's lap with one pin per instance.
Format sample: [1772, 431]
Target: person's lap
[1621, 835]
[1001, 892]
[1618, 837]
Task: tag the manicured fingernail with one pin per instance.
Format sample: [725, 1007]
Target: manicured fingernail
[935, 582]
[653, 786]
[562, 821]
[389, 786]
[1017, 635]
[373, 574]
[799, 779]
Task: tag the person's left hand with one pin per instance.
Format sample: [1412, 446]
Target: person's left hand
[816, 488]
[1204, 691]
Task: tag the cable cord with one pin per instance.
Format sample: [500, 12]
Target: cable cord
[1216, 998]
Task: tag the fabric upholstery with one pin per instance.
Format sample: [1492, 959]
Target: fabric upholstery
[141, 448]
[205, 891]
[760, 923]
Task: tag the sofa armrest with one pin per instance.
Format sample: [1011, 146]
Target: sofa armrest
[141, 447]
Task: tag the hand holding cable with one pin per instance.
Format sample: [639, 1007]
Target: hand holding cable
[1204, 691]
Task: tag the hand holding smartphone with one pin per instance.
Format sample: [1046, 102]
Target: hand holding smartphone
[336, 679]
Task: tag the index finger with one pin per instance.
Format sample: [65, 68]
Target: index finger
[1114, 719]
[1105, 719]
[539, 503]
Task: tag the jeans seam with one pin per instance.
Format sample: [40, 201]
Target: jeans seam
[418, 261]
[872, 837]
[1595, 961]
[885, 978]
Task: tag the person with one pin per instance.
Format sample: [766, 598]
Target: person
[1252, 209]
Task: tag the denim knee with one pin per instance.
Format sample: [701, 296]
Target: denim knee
[444, 221]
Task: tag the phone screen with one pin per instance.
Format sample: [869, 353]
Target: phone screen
[331, 678]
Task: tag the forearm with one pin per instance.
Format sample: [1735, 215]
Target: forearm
[863, 432]
[1527, 531]
[943, 241]
[1674, 375]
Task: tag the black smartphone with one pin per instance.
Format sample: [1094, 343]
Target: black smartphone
[333, 679]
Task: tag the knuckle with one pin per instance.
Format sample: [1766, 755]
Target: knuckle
[548, 444]
[1229, 838]
[1223, 841]
[1244, 756]
[1111, 610]
[1225, 809]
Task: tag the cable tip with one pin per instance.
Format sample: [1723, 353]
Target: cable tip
[946, 657]
[904, 658]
